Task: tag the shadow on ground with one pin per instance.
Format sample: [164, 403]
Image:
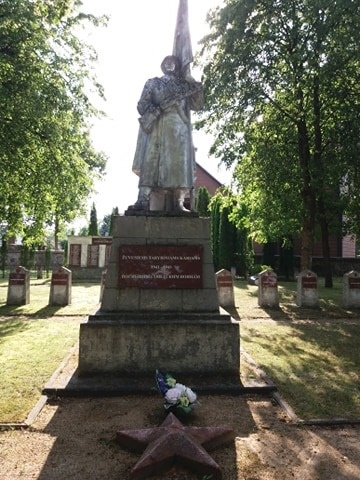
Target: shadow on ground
[84, 431]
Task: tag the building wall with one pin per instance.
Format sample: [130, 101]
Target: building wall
[205, 179]
[349, 246]
[88, 256]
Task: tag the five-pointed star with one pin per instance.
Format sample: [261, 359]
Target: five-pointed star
[173, 442]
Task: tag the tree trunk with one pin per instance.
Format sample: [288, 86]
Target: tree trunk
[308, 194]
[56, 234]
[307, 243]
[325, 245]
[319, 181]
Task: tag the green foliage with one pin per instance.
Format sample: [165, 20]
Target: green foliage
[47, 161]
[231, 244]
[93, 225]
[106, 226]
[202, 202]
[215, 205]
[114, 212]
[27, 254]
[227, 240]
[282, 101]
[84, 231]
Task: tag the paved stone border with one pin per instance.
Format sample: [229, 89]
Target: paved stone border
[30, 418]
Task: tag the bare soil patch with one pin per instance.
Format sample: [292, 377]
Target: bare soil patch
[75, 438]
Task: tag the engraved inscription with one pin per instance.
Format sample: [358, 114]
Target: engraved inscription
[150, 266]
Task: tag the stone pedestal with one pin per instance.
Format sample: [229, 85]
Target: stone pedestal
[160, 305]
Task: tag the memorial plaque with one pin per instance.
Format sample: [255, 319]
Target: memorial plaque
[93, 255]
[224, 282]
[102, 240]
[268, 280]
[309, 282]
[75, 255]
[153, 266]
[17, 278]
[107, 254]
[59, 279]
[354, 282]
[224, 279]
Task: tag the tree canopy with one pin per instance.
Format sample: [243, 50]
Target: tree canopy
[282, 101]
[47, 161]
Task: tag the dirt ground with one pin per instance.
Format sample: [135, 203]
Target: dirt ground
[75, 439]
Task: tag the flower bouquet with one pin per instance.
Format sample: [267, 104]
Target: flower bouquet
[176, 395]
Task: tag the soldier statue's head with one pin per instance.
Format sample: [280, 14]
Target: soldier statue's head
[171, 65]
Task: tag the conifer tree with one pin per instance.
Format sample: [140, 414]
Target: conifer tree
[202, 202]
[93, 225]
[215, 225]
[114, 212]
[227, 240]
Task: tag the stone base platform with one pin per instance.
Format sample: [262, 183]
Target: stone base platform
[140, 344]
[67, 382]
[160, 307]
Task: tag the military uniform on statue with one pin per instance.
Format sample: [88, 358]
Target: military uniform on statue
[164, 158]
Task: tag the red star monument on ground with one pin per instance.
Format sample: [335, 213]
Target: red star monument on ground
[172, 443]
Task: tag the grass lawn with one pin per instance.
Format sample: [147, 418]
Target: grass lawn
[30, 351]
[34, 339]
[311, 355]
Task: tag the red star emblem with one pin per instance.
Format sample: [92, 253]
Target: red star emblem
[173, 442]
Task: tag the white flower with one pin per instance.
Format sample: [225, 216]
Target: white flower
[173, 394]
[181, 387]
[190, 394]
[180, 394]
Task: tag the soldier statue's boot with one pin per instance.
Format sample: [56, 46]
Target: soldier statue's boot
[179, 197]
[143, 201]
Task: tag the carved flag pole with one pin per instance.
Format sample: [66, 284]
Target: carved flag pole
[182, 42]
[182, 49]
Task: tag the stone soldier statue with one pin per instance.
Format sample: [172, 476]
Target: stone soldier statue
[164, 158]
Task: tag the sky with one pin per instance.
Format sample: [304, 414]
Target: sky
[130, 50]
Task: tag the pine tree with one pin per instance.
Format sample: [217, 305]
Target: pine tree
[227, 240]
[93, 225]
[114, 212]
[202, 202]
[215, 225]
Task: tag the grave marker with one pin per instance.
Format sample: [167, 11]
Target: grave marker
[19, 287]
[225, 288]
[307, 290]
[60, 289]
[351, 289]
[268, 295]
